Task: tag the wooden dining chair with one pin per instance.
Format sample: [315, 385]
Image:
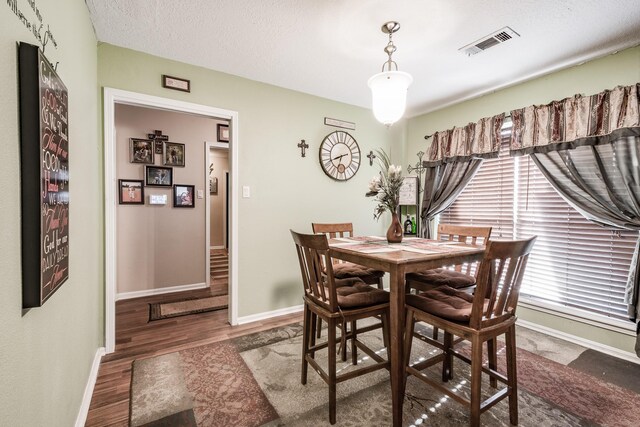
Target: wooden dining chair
[477, 318]
[338, 302]
[344, 269]
[460, 276]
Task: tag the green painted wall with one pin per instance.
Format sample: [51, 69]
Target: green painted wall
[46, 353]
[592, 77]
[287, 191]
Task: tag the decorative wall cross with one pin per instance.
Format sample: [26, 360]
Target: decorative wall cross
[419, 167]
[303, 146]
[159, 138]
[371, 156]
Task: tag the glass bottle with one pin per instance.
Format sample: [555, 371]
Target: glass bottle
[408, 225]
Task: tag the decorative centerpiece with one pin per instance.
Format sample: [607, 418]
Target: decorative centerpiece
[386, 188]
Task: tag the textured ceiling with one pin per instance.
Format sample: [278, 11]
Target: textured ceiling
[330, 48]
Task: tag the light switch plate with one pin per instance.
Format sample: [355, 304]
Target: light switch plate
[200, 194]
[246, 191]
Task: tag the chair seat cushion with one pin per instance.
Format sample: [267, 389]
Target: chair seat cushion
[345, 270]
[445, 302]
[360, 295]
[441, 277]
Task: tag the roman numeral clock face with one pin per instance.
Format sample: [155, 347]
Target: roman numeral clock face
[339, 156]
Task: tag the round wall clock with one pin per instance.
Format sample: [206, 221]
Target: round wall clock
[339, 155]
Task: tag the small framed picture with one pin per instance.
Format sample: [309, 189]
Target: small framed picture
[141, 151]
[131, 191]
[213, 185]
[158, 176]
[173, 154]
[223, 133]
[176, 83]
[183, 196]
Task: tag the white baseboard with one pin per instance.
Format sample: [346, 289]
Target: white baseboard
[612, 351]
[160, 291]
[269, 314]
[88, 389]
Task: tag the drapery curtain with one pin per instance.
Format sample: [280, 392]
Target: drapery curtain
[588, 148]
[453, 158]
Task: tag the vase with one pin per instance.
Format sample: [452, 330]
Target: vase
[395, 232]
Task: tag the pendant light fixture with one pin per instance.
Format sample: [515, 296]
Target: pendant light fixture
[389, 88]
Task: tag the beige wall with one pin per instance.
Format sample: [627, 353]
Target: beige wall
[46, 353]
[220, 160]
[622, 68]
[158, 245]
[287, 191]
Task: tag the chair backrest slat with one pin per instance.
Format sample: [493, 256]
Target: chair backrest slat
[498, 283]
[467, 234]
[315, 266]
[343, 229]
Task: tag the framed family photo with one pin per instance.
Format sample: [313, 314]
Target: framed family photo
[183, 196]
[141, 151]
[158, 176]
[173, 154]
[223, 133]
[131, 191]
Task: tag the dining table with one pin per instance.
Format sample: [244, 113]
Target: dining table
[411, 255]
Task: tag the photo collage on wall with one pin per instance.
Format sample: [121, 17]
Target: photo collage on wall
[143, 151]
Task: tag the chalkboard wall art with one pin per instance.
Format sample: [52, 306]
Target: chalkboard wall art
[44, 154]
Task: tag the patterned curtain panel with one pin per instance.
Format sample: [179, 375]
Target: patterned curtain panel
[443, 184]
[453, 159]
[576, 121]
[588, 148]
[478, 140]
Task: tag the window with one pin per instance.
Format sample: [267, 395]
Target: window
[576, 266]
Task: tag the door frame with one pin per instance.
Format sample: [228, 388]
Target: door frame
[111, 97]
[208, 146]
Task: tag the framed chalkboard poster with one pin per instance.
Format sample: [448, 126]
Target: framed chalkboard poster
[44, 162]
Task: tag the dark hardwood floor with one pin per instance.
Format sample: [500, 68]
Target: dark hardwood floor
[136, 338]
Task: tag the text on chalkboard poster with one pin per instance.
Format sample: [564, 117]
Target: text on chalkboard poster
[45, 177]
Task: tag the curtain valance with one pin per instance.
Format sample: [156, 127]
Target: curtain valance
[473, 141]
[577, 121]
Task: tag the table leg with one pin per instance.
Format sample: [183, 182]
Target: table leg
[396, 347]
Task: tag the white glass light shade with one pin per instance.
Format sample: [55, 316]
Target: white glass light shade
[389, 94]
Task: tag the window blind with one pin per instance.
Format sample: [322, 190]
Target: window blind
[488, 198]
[575, 264]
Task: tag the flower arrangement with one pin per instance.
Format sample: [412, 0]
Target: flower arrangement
[386, 186]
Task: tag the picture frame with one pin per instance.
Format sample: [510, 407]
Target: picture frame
[176, 83]
[213, 185]
[158, 176]
[409, 191]
[173, 154]
[131, 191]
[183, 196]
[141, 151]
[223, 133]
[43, 191]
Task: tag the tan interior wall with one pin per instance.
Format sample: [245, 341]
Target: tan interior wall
[220, 160]
[159, 245]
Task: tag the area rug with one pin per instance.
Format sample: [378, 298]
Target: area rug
[255, 381]
[190, 306]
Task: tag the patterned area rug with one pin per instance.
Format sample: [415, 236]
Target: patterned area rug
[184, 307]
[255, 381]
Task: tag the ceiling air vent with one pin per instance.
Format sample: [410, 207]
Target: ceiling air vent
[500, 36]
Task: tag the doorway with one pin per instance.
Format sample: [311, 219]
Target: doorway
[116, 96]
[217, 154]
